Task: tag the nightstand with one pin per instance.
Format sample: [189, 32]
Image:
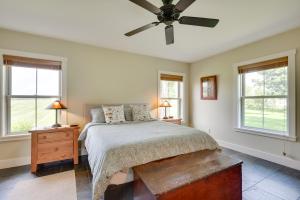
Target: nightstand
[173, 120]
[53, 144]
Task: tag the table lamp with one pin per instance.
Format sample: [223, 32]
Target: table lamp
[56, 105]
[165, 104]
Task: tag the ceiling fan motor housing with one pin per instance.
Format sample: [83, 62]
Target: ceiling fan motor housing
[167, 2]
[168, 14]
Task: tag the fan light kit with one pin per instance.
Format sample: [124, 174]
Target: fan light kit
[168, 14]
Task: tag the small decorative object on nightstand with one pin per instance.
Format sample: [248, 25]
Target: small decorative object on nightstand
[173, 120]
[56, 105]
[54, 144]
[165, 104]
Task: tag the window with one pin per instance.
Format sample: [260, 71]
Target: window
[265, 99]
[171, 89]
[30, 86]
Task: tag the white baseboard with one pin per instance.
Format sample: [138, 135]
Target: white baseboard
[286, 161]
[14, 162]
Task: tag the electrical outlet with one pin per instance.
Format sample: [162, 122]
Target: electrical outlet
[283, 153]
[209, 131]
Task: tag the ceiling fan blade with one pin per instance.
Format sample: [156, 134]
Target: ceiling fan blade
[183, 4]
[169, 31]
[199, 21]
[148, 6]
[143, 28]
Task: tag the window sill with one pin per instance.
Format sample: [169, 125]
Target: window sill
[265, 134]
[9, 138]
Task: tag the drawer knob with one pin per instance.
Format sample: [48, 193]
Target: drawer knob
[56, 149]
[44, 137]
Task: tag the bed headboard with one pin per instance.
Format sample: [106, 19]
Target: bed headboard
[87, 114]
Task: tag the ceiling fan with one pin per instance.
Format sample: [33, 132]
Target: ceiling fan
[168, 14]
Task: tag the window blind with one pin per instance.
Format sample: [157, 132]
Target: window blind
[19, 61]
[169, 77]
[265, 65]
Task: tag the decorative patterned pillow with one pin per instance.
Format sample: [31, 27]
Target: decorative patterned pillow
[114, 114]
[141, 112]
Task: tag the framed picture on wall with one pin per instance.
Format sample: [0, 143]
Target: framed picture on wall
[209, 88]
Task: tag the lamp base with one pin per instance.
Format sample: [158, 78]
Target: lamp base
[56, 125]
[165, 117]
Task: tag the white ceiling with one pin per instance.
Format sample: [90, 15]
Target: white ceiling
[104, 22]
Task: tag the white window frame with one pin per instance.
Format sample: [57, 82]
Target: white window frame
[291, 98]
[4, 135]
[182, 106]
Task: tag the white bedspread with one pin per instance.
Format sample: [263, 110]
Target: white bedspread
[112, 148]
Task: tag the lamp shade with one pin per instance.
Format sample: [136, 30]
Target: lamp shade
[165, 104]
[56, 105]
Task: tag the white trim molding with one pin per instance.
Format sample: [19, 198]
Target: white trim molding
[265, 134]
[14, 162]
[15, 138]
[291, 133]
[282, 160]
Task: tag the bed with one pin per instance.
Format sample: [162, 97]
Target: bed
[119, 147]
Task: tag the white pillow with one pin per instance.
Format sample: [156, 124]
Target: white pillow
[141, 112]
[114, 114]
[97, 115]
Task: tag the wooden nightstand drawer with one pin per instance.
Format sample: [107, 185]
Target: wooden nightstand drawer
[54, 137]
[53, 144]
[48, 152]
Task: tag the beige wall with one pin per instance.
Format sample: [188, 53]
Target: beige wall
[95, 75]
[218, 116]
